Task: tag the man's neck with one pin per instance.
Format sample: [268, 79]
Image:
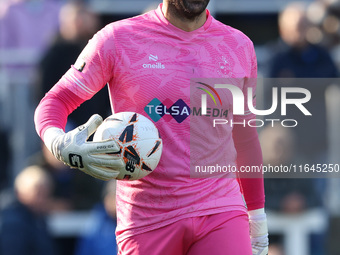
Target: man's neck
[182, 22]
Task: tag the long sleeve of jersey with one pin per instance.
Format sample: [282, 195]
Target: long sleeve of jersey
[249, 154]
[248, 147]
[80, 83]
[54, 109]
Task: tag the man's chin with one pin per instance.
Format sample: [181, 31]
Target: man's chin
[190, 9]
[194, 8]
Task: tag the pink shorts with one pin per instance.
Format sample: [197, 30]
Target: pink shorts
[222, 233]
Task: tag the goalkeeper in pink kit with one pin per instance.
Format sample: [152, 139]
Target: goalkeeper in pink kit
[148, 60]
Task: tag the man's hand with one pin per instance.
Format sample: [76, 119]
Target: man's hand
[92, 158]
[258, 232]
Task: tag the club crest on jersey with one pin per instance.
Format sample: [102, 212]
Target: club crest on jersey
[223, 66]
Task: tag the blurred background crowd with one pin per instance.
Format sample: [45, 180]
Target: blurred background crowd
[47, 208]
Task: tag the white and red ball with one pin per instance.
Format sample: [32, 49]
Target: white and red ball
[139, 140]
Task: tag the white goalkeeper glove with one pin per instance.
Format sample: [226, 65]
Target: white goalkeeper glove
[74, 150]
[258, 231]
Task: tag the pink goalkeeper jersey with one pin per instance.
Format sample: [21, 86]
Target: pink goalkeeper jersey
[148, 63]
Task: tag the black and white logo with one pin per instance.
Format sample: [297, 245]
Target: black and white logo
[76, 161]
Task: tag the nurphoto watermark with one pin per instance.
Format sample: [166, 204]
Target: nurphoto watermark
[218, 106]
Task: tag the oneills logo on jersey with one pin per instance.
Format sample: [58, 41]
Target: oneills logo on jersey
[156, 65]
[153, 57]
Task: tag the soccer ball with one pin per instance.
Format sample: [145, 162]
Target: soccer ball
[139, 140]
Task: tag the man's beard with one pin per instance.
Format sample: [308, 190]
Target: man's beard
[189, 9]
